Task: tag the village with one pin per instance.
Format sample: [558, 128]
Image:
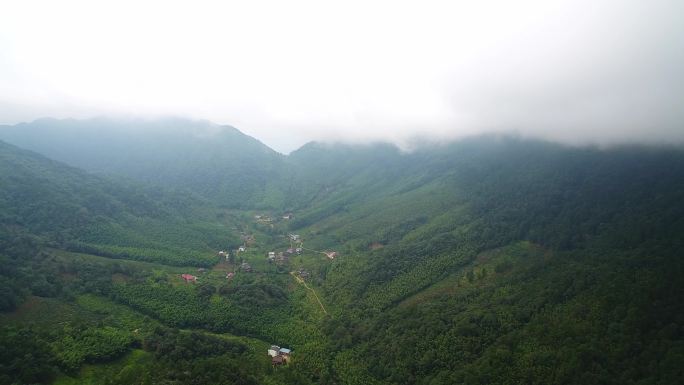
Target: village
[277, 258]
[245, 258]
[253, 257]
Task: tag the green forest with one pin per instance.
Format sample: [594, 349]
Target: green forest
[486, 261]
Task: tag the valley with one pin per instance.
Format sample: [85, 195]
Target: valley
[488, 260]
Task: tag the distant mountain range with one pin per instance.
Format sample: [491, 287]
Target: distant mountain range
[233, 170]
[218, 162]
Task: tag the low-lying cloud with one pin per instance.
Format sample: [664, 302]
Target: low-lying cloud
[288, 72]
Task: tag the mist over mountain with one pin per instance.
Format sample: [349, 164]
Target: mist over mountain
[458, 262]
[342, 193]
[75, 210]
[577, 71]
[214, 161]
[232, 169]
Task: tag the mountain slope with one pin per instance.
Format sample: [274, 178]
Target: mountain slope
[69, 208]
[471, 261]
[488, 260]
[217, 162]
[101, 315]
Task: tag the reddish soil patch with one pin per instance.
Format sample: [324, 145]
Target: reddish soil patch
[27, 307]
[485, 256]
[223, 266]
[376, 245]
[119, 278]
[67, 276]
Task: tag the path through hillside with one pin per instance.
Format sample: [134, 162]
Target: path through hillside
[301, 281]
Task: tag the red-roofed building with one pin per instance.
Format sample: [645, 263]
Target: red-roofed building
[331, 254]
[189, 277]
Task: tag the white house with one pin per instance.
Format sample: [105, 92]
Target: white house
[274, 350]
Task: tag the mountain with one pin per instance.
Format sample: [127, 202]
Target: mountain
[217, 162]
[536, 183]
[69, 208]
[499, 260]
[89, 262]
[488, 260]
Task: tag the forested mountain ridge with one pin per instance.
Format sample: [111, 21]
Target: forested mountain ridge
[217, 162]
[535, 186]
[72, 209]
[487, 260]
[440, 266]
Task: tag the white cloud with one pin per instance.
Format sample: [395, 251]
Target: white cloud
[288, 72]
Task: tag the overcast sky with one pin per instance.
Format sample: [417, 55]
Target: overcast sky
[288, 72]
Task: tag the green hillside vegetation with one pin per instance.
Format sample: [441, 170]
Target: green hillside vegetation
[140, 323]
[216, 162]
[490, 260]
[68, 208]
[611, 221]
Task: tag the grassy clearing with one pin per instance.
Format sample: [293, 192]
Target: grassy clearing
[69, 255]
[116, 315]
[485, 268]
[128, 366]
[41, 312]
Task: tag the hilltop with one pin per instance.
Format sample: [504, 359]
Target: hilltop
[217, 162]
